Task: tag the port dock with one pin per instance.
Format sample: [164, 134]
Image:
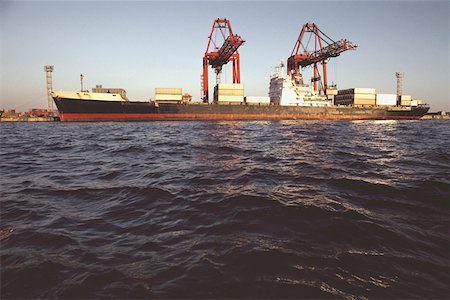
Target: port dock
[34, 115]
[440, 115]
[29, 119]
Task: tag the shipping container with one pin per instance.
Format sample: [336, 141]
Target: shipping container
[387, 99]
[168, 91]
[230, 99]
[331, 92]
[231, 86]
[405, 103]
[223, 92]
[356, 96]
[364, 91]
[357, 101]
[357, 91]
[342, 102]
[168, 97]
[405, 97]
[414, 103]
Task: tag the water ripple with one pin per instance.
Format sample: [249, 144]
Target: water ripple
[289, 209]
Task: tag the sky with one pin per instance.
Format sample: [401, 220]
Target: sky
[146, 44]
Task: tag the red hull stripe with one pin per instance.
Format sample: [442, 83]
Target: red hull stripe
[156, 116]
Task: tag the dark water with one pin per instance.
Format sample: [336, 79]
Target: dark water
[226, 209]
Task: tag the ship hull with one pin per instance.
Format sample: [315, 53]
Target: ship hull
[95, 110]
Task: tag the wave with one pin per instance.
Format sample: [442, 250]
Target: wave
[225, 209]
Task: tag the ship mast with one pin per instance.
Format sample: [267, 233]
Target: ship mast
[81, 81]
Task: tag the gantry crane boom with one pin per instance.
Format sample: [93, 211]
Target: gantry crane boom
[302, 57]
[229, 47]
[218, 57]
[332, 50]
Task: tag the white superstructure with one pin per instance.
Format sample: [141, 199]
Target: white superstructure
[283, 90]
[88, 96]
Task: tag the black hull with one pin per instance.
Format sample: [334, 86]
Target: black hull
[99, 110]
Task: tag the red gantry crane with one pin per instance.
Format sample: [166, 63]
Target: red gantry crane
[310, 53]
[217, 55]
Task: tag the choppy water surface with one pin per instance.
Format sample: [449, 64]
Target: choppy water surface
[225, 209]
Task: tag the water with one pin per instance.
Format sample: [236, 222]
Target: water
[225, 209]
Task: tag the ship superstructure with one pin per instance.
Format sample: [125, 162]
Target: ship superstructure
[289, 91]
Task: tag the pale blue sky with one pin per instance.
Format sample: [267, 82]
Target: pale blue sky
[143, 45]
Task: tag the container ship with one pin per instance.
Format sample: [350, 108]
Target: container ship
[286, 102]
[289, 97]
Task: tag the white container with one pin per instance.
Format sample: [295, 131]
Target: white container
[364, 91]
[168, 97]
[405, 97]
[168, 91]
[405, 103]
[387, 99]
[231, 86]
[223, 92]
[231, 99]
[357, 101]
[357, 91]
[414, 103]
[364, 96]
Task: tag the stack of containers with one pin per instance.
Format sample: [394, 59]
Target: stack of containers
[356, 96]
[168, 95]
[387, 99]
[416, 102]
[405, 100]
[229, 93]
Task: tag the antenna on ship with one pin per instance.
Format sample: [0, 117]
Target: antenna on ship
[81, 81]
[48, 73]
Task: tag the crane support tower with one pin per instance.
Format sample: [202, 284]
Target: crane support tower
[310, 53]
[48, 74]
[222, 48]
[399, 76]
